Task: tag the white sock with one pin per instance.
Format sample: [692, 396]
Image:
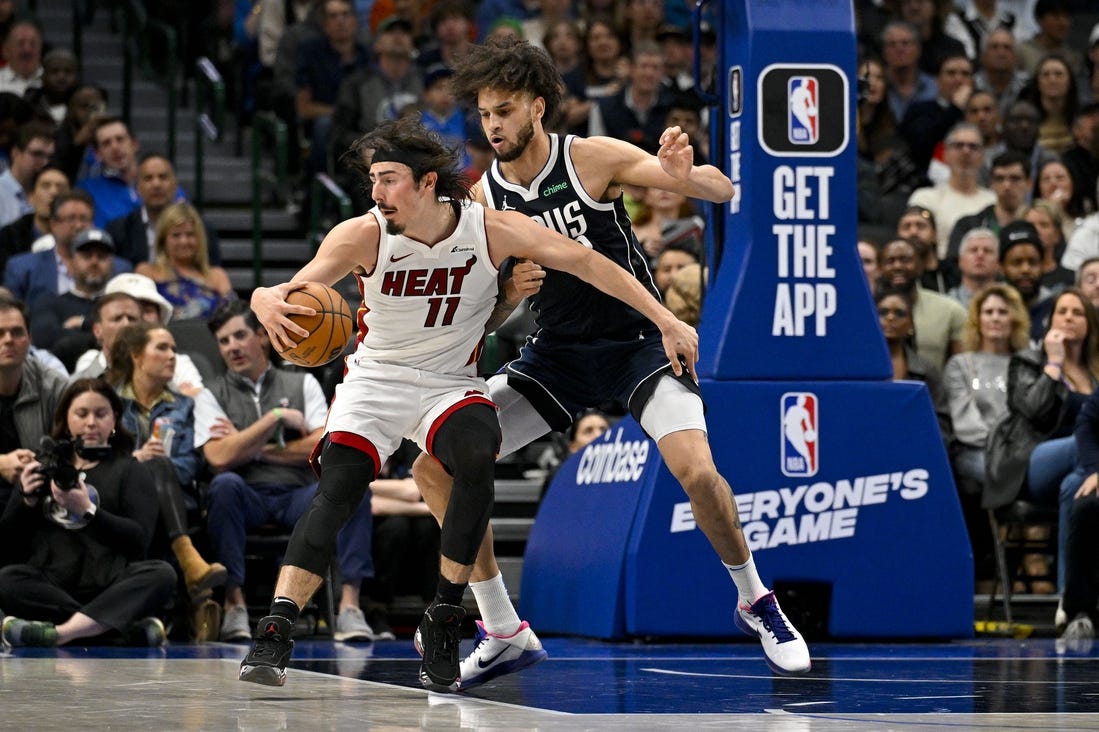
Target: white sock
[497, 613]
[748, 584]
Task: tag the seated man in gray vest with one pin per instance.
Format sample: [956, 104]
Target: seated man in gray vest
[259, 447]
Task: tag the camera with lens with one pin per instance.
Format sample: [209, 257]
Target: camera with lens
[56, 460]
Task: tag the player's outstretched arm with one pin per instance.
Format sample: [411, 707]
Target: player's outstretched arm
[513, 234]
[350, 244]
[671, 169]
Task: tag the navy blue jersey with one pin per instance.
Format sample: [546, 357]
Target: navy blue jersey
[566, 306]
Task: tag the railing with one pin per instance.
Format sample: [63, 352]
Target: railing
[265, 126]
[326, 193]
[139, 35]
[209, 95]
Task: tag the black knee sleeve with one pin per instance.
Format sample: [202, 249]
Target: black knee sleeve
[467, 444]
[345, 480]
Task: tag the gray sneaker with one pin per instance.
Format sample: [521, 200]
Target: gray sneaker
[351, 625]
[235, 627]
[1079, 635]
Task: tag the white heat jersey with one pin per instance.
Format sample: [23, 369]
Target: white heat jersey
[426, 306]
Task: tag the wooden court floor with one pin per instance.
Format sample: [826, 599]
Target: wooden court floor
[998, 684]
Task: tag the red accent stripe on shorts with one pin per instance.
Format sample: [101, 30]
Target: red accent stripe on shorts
[468, 401]
[360, 443]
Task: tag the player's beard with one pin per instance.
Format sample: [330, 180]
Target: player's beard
[393, 228]
[526, 134]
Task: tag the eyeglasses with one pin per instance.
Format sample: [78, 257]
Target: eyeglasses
[958, 145]
[895, 312]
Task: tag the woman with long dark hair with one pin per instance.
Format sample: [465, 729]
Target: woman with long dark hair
[162, 421]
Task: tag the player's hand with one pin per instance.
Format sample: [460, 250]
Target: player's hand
[676, 154]
[1089, 486]
[526, 280]
[681, 346]
[271, 309]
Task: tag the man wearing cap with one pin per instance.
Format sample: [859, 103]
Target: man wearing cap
[149, 306]
[62, 322]
[33, 274]
[1021, 264]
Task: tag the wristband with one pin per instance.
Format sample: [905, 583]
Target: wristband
[1055, 364]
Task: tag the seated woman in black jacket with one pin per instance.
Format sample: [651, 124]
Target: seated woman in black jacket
[79, 541]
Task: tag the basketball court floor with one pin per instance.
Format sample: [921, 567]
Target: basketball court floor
[998, 684]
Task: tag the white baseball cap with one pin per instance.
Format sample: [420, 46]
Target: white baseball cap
[140, 287]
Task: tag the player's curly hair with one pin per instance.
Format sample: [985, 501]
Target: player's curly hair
[511, 65]
[419, 148]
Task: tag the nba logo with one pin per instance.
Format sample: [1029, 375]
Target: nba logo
[804, 122]
[800, 453]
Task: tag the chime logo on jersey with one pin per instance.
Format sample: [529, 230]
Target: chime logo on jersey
[804, 112]
[800, 434]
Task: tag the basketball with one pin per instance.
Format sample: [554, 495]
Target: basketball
[329, 330]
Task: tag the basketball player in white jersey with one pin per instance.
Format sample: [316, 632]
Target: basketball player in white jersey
[427, 260]
[588, 348]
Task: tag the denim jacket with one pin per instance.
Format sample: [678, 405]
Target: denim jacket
[180, 410]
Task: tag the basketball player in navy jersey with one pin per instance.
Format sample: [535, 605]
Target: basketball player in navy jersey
[427, 262]
[588, 347]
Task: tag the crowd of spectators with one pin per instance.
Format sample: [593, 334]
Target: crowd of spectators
[978, 158]
[978, 154]
[102, 257]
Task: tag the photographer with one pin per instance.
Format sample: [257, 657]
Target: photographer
[84, 534]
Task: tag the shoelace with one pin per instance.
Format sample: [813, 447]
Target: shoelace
[267, 646]
[773, 622]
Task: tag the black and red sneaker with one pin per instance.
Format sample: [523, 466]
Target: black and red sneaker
[437, 639]
[266, 662]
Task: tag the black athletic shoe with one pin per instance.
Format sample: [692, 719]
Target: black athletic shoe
[266, 662]
[437, 641]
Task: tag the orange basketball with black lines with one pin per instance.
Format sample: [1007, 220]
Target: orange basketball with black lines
[329, 330]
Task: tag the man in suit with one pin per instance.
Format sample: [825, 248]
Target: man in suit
[34, 274]
[135, 233]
